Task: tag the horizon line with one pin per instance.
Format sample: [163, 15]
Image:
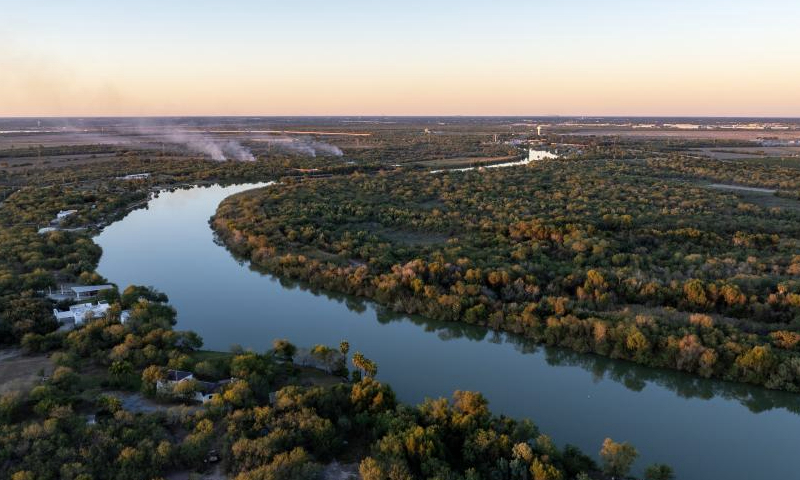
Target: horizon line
[14, 117]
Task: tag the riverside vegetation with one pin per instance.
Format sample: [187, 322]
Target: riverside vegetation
[631, 259]
[44, 432]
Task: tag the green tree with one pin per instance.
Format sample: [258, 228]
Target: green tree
[756, 363]
[150, 377]
[109, 404]
[284, 349]
[365, 365]
[617, 457]
[659, 471]
[120, 369]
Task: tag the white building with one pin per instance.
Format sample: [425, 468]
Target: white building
[82, 312]
[78, 314]
[76, 292]
[534, 155]
[135, 176]
[88, 291]
[204, 391]
[61, 215]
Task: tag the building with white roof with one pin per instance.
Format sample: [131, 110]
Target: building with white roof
[61, 215]
[79, 313]
[204, 391]
[86, 291]
[135, 176]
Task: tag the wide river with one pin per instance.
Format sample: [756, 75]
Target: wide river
[705, 429]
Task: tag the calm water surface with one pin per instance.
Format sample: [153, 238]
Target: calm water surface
[705, 429]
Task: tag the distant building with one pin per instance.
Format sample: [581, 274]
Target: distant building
[770, 142]
[61, 215]
[56, 222]
[534, 155]
[135, 176]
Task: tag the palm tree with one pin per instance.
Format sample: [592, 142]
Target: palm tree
[365, 365]
[371, 368]
[358, 361]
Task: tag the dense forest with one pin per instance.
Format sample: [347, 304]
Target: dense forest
[266, 424]
[45, 433]
[631, 259]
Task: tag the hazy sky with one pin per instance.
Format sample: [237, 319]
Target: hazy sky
[525, 57]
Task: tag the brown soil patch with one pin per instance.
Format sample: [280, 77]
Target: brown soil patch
[21, 372]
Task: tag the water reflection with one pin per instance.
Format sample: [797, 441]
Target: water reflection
[743, 432]
[634, 377]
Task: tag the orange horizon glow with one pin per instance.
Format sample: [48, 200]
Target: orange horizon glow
[92, 59]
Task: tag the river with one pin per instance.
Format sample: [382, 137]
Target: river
[704, 429]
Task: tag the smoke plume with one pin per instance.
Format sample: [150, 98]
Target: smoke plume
[144, 133]
[303, 146]
[219, 150]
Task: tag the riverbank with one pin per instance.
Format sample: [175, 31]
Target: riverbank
[314, 417]
[576, 398]
[539, 279]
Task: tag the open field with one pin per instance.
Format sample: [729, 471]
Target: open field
[746, 135]
[736, 153]
[21, 372]
[762, 197]
[54, 160]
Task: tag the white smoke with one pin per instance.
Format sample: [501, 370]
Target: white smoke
[325, 149]
[151, 136]
[219, 150]
[303, 146]
[145, 134]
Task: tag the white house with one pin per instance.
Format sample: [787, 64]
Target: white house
[173, 378]
[205, 391]
[61, 215]
[77, 314]
[81, 312]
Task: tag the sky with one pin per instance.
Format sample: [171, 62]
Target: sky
[352, 57]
